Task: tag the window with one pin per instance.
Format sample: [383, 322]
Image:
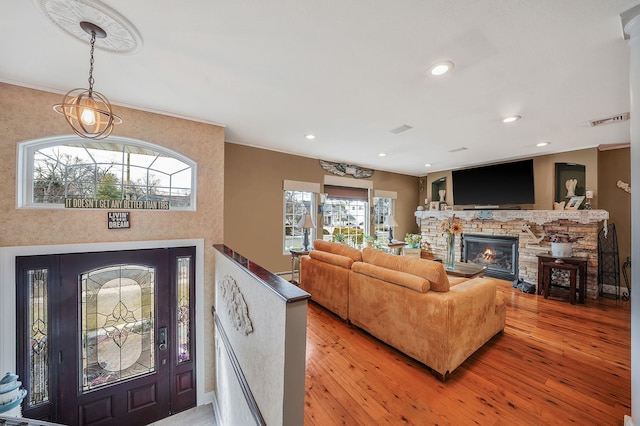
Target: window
[383, 208]
[346, 220]
[57, 169]
[296, 205]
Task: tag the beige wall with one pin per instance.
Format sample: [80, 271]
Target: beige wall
[615, 165]
[544, 181]
[254, 200]
[27, 114]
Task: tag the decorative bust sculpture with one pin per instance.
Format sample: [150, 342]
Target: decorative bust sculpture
[571, 187]
[441, 193]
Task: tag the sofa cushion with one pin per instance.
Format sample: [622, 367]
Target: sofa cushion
[429, 269]
[403, 279]
[339, 249]
[333, 259]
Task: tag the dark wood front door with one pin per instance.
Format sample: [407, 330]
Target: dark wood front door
[119, 336]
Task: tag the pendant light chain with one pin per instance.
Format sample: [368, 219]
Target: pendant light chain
[88, 112]
[93, 43]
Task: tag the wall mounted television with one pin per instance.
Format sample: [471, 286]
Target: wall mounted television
[497, 184]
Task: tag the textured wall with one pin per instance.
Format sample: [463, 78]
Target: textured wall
[27, 114]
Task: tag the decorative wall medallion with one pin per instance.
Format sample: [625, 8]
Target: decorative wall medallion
[342, 169]
[236, 306]
[624, 186]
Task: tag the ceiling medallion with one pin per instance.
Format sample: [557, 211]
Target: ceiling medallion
[67, 15]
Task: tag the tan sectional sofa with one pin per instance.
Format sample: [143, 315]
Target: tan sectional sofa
[324, 273]
[409, 303]
[413, 305]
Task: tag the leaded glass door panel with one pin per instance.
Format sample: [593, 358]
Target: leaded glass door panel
[117, 322]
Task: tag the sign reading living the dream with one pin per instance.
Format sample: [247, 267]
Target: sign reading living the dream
[98, 203]
[118, 220]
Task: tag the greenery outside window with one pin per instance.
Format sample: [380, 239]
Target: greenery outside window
[59, 168]
[296, 205]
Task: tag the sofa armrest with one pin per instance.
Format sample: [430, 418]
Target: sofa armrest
[403, 279]
[330, 258]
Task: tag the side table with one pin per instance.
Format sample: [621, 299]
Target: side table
[572, 264]
[295, 261]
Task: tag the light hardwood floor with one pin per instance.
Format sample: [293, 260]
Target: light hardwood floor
[554, 364]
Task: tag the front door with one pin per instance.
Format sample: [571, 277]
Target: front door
[114, 332]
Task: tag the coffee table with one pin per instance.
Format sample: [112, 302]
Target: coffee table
[466, 270]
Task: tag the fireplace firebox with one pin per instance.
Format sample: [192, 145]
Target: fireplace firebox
[497, 252]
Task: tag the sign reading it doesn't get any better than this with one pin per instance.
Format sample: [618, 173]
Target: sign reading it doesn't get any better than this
[99, 203]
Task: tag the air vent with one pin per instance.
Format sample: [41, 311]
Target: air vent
[610, 120]
[401, 129]
[462, 148]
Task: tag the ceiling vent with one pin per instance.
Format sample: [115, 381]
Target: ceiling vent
[401, 129]
[610, 120]
[462, 148]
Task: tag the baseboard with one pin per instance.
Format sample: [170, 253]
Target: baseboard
[216, 411]
[628, 421]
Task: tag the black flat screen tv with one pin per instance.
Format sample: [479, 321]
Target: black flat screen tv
[497, 184]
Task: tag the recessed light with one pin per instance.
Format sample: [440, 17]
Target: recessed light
[511, 119]
[382, 154]
[428, 165]
[310, 136]
[543, 143]
[441, 68]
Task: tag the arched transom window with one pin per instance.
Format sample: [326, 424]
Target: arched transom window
[56, 170]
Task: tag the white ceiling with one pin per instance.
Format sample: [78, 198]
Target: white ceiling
[351, 71]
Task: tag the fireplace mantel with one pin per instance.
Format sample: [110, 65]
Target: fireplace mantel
[539, 217]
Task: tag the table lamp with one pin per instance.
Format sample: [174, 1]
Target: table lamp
[391, 223]
[306, 223]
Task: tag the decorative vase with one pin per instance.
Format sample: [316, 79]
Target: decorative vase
[561, 249]
[451, 251]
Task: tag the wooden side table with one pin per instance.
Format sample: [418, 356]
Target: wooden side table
[295, 260]
[576, 265]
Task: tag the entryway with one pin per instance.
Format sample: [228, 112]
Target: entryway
[107, 338]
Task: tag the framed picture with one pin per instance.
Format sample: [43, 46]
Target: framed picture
[443, 205]
[574, 203]
[434, 205]
[446, 207]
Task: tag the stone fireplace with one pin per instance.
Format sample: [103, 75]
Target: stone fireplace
[527, 228]
[499, 253]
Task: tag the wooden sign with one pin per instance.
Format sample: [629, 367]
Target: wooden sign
[118, 220]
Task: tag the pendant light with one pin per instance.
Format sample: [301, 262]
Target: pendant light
[88, 112]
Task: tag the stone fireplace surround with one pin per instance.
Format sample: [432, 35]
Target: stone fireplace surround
[576, 223]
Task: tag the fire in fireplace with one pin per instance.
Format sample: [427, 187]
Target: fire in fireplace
[497, 252]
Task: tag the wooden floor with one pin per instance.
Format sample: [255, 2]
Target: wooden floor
[555, 364]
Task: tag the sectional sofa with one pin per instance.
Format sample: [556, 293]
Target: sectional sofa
[409, 303]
